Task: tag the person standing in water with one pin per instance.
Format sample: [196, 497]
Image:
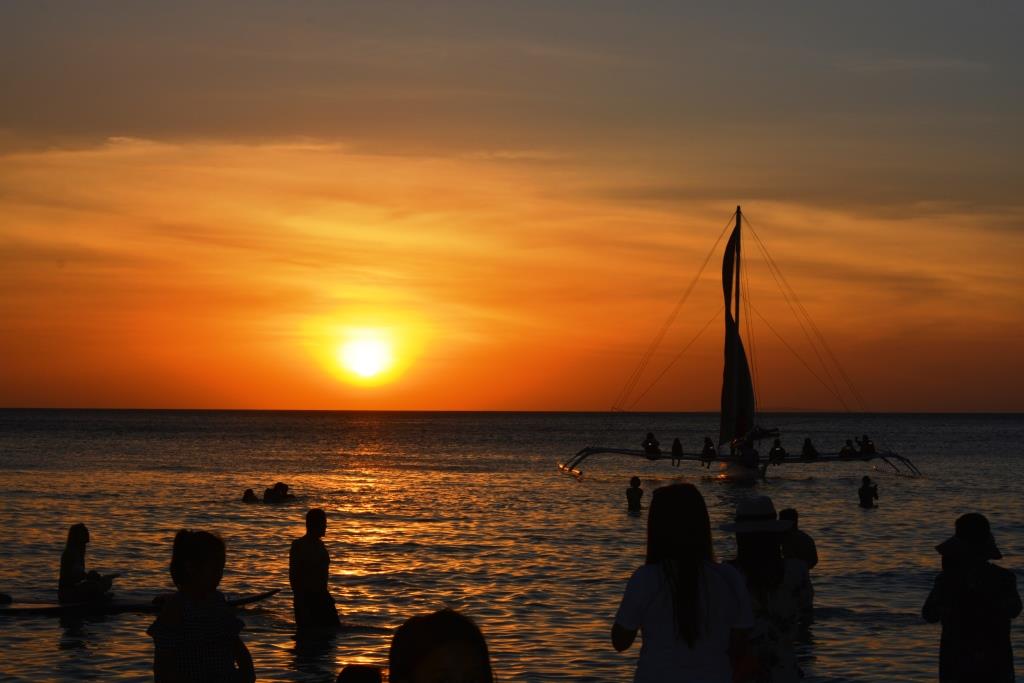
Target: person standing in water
[975, 601]
[868, 493]
[75, 583]
[677, 452]
[650, 445]
[633, 495]
[708, 453]
[196, 637]
[693, 612]
[308, 573]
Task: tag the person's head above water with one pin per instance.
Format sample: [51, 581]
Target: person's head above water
[791, 514]
[78, 535]
[442, 646]
[197, 560]
[635, 482]
[316, 522]
[866, 481]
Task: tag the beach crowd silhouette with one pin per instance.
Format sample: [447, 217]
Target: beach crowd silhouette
[700, 619]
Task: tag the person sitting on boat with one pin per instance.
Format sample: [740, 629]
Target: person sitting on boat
[777, 455]
[278, 493]
[866, 445]
[848, 451]
[651, 446]
[677, 452]
[250, 496]
[975, 601]
[868, 493]
[633, 495]
[709, 453]
[809, 452]
[75, 583]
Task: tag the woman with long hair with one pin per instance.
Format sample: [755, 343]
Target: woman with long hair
[693, 611]
[780, 592]
[75, 583]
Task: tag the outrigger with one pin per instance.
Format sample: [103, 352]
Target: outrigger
[738, 431]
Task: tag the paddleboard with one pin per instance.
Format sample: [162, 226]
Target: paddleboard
[114, 606]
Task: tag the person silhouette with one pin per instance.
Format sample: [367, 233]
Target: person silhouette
[780, 590]
[809, 452]
[278, 493]
[798, 545]
[975, 601]
[677, 452]
[250, 496]
[651, 446]
[196, 636]
[777, 455]
[868, 492]
[633, 495]
[691, 609]
[848, 450]
[708, 453]
[75, 584]
[360, 673]
[442, 646]
[865, 444]
[308, 573]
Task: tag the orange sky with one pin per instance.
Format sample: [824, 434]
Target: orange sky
[169, 241]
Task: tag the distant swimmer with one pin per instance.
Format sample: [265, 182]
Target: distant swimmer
[865, 444]
[651, 446]
[308, 573]
[250, 496]
[677, 452]
[777, 455]
[848, 451]
[75, 583]
[809, 452]
[633, 495]
[278, 493]
[709, 452]
[868, 493]
[975, 600]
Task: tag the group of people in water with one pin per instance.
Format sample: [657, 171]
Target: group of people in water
[745, 451]
[737, 621]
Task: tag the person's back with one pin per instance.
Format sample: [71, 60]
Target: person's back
[808, 452]
[975, 601]
[868, 493]
[308, 574]
[664, 656]
[633, 495]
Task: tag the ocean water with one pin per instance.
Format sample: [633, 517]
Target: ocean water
[468, 510]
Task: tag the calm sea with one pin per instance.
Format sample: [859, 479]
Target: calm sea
[469, 510]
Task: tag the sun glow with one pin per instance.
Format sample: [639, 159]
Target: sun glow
[366, 358]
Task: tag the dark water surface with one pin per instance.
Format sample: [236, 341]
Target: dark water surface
[469, 510]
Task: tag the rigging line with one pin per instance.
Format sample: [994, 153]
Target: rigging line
[789, 296]
[756, 380]
[637, 373]
[677, 357]
[814, 327]
[837, 395]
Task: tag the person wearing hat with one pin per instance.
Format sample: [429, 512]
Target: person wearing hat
[780, 591]
[975, 601]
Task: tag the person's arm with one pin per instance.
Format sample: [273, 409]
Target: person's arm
[812, 554]
[622, 637]
[246, 670]
[935, 605]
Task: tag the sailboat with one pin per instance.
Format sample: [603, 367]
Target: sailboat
[738, 433]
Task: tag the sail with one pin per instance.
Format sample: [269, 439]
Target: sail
[737, 418]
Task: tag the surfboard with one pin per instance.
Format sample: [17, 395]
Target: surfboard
[114, 606]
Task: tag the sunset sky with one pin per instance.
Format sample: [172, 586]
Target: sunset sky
[200, 203]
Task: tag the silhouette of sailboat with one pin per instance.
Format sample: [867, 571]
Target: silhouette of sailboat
[738, 431]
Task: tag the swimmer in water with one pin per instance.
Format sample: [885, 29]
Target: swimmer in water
[868, 493]
[633, 495]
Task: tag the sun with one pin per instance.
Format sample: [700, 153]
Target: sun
[367, 358]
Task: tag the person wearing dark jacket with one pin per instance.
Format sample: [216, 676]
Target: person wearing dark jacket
[975, 601]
